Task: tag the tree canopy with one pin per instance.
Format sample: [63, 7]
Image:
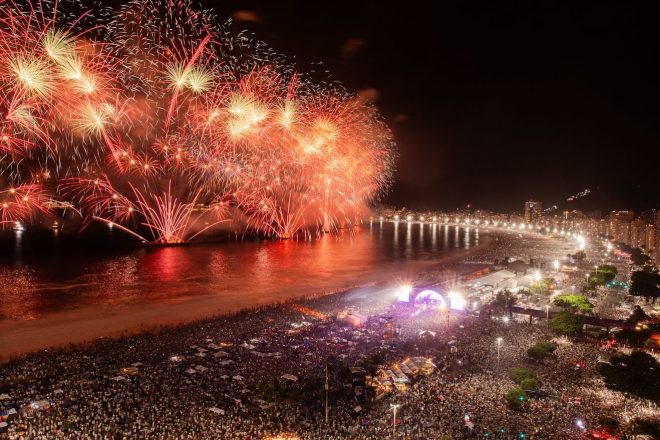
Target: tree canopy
[541, 286]
[637, 373]
[516, 397]
[578, 256]
[637, 315]
[602, 275]
[541, 350]
[645, 283]
[566, 323]
[635, 338]
[530, 384]
[577, 303]
[504, 300]
[518, 374]
[637, 255]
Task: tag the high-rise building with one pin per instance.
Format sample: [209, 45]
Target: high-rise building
[533, 211]
[595, 227]
[638, 233]
[619, 227]
[657, 236]
[650, 238]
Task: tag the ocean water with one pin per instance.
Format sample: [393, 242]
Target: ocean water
[36, 283]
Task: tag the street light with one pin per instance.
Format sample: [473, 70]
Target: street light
[394, 407]
[499, 344]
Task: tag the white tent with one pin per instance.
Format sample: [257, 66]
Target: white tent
[237, 377]
[217, 411]
[290, 377]
[201, 368]
[191, 371]
[4, 396]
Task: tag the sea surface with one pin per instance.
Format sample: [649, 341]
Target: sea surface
[46, 279]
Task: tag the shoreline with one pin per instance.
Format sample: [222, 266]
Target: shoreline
[259, 373]
[83, 326]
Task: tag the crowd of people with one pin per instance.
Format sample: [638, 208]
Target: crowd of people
[260, 374]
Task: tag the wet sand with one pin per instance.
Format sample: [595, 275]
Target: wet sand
[87, 323]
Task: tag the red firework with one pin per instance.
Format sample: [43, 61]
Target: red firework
[22, 203]
[157, 127]
[314, 158]
[169, 219]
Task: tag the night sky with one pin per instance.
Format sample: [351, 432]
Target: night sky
[491, 103]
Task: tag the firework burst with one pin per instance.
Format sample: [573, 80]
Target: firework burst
[170, 218]
[158, 120]
[22, 203]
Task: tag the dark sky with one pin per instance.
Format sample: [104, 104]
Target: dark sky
[492, 102]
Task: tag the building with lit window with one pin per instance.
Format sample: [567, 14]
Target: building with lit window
[533, 211]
